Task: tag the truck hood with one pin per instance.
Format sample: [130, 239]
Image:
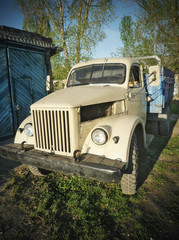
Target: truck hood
[81, 96]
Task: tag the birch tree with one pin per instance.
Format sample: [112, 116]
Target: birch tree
[155, 31]
[76, 25]
[164, 16]
[34, 21]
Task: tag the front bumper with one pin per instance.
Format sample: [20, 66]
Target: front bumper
[87, 166]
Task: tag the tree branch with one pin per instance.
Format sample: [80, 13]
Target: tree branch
[61, 30]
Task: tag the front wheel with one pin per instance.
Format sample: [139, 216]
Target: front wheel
[130, 177]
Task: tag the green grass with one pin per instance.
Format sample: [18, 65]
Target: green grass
[76, 208]
[175, 107]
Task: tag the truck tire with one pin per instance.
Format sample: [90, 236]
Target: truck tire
[38, 171]
[129, 178]
[155, 127]
[152, 127]
[164, 126]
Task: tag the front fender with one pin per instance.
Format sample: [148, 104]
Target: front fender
[122, 127]
[20, 134]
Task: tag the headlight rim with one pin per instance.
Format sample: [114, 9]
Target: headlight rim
[25, 131]
[105, 133]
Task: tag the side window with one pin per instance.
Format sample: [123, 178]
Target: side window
[134, 77]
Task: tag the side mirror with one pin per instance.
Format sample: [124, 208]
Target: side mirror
[154, 75]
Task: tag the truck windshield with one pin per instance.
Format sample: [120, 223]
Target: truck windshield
[108, 73]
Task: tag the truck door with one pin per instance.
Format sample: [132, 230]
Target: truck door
[136, 101]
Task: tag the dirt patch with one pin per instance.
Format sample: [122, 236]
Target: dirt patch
[15, 224]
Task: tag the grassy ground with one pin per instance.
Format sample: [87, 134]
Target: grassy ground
[61, 207]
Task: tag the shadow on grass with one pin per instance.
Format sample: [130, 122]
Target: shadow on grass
[6, 165]
[155, 149]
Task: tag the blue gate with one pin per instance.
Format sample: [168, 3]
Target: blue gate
[22, 82]
[28, 81]
[6, 122]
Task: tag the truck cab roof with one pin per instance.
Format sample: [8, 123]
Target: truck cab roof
[124, 60]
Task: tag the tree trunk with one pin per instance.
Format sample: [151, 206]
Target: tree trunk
[61, 29]
[82, 25]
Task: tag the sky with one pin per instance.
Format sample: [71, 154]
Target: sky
[11, 17]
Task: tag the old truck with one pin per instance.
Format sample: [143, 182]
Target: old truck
[98, 126]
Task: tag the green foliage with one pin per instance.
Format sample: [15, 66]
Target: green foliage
[35, 16]
[155, 32]
[164, 16]
[59, 68]
[76, 26]
[138, 38]
[86, 28]
[127, 34]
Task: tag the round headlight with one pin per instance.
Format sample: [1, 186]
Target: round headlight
[99, 136]
[28, 129]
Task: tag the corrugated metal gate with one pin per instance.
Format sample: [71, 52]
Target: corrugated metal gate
[26, 84]
[6, 122]
[28, 81]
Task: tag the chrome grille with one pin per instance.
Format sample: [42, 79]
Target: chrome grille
[52, 130]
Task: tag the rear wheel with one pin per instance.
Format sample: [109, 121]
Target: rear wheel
[152, 127]
[155, 127]
[129, 178]
[160, 126]
[38, 171]
[164, 126]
